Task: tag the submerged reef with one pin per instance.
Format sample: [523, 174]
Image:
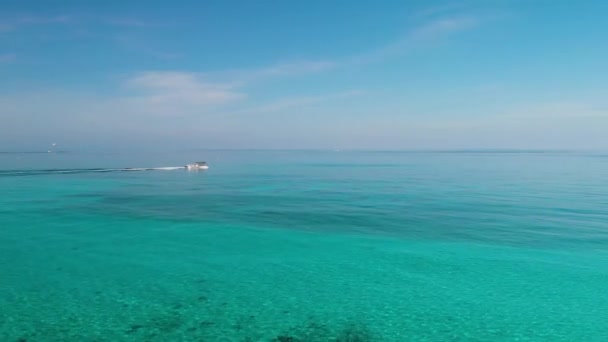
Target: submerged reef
[246, 329]
[319, 332]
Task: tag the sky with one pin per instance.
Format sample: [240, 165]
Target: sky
[304, 74]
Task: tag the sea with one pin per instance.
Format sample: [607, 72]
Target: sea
[293, 246]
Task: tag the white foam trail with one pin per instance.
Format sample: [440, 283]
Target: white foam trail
[169, 168]
[71, 171]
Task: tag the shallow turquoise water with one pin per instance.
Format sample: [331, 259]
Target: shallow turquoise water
[305, 246]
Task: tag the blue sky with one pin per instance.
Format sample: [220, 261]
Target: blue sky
[304, 74]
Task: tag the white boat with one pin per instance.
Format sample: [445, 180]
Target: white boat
[197, 166]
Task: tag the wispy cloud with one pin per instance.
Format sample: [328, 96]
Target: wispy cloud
[40, 20]
[545, 125]
[5, 27]
[8, 24]
[529, 117]
[166, 55]
[440, 10]
[299, 102]
[296, 68]
[442, 27]
[167, 89]
[134, 43]
[127, 22]
[555, 110]
[429, 31]
[7, 57]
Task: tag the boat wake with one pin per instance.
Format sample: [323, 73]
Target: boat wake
[75, 171]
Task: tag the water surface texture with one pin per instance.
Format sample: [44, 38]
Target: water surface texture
[304, 246]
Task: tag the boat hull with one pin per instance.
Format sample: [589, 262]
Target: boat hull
[196, 167]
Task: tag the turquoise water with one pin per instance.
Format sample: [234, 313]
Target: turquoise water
[305, 246]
